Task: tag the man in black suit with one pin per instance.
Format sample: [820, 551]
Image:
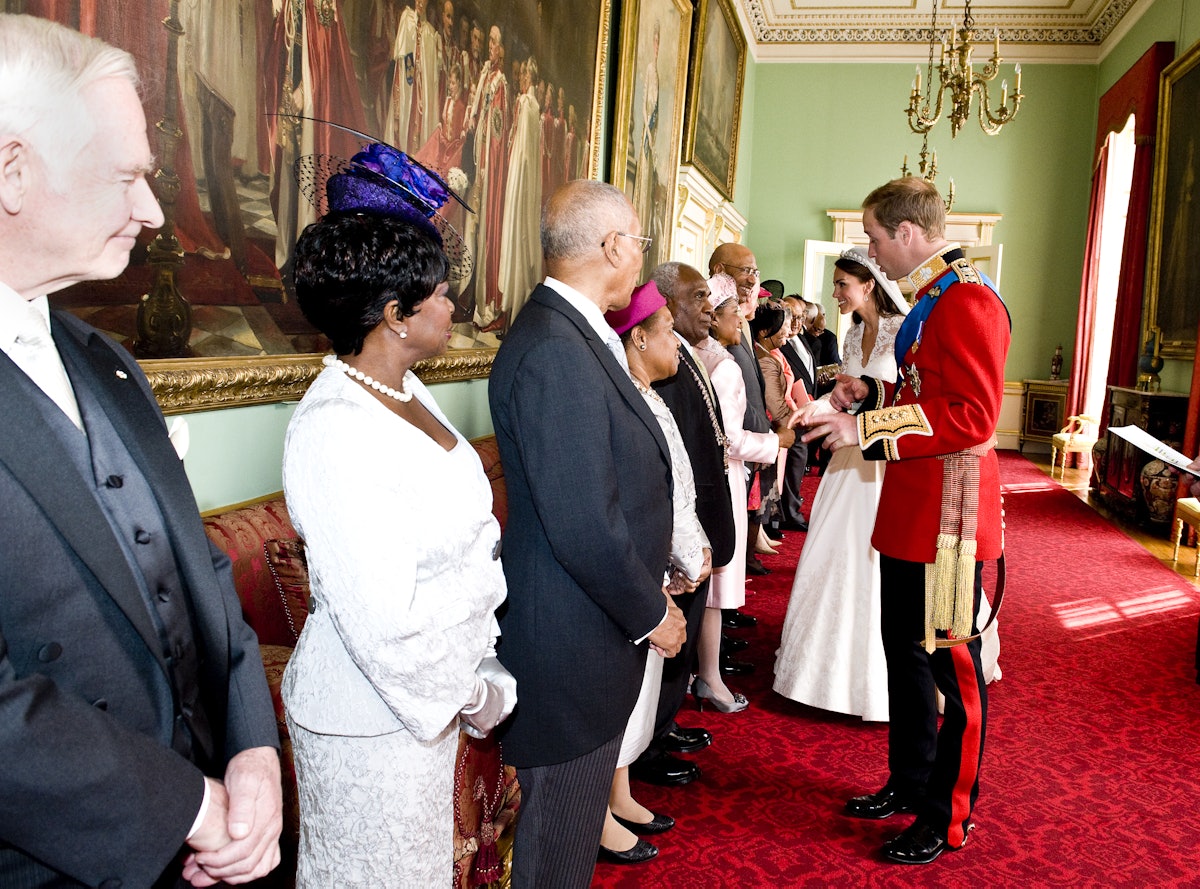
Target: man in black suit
[800, 358]
[135, 720]
[697, 412]
[588, 536]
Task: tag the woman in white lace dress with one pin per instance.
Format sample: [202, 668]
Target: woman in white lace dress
[652, 350]
[403, 554]
[831, 652]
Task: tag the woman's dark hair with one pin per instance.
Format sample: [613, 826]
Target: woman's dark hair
[883, 305]
[768, 319]
[348, 266]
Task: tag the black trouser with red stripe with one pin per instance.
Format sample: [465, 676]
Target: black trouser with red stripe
[942, 767]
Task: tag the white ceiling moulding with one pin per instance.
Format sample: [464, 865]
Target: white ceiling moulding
[895, 30]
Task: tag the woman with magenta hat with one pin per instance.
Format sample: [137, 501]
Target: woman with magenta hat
[652, 350]
[398, 651]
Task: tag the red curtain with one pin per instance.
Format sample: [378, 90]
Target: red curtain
[1135, 93]
[1085, 328]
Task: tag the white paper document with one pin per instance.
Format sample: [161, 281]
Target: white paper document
[1139, 438]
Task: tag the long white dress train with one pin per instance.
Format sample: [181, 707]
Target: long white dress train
[831, 653]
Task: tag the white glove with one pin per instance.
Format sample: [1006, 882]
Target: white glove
[494, 698]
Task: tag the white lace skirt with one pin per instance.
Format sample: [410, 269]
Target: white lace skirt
[375, 811]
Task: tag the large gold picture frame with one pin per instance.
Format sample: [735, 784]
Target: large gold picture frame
[651, 90]
[1173, 263]
[714, 103]
[569, 40]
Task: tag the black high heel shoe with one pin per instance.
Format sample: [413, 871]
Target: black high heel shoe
[658, 824]
[642, 851]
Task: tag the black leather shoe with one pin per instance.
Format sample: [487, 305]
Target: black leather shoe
[641, 852]
[732, 645]
[665, 771]
[659, 824]
[775, 532]
[732, 619]
[757, 568]
[731, 667]
[799, 525]
[883, 804]
[917, 844]
[685, 740]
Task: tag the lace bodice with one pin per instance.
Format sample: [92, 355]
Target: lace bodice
[882, 363]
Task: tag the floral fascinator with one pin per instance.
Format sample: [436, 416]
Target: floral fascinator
[384, 180]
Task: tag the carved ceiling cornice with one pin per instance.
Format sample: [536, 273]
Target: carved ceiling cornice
[1034, 28]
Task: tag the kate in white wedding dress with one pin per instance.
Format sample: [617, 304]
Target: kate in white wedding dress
[831, 652]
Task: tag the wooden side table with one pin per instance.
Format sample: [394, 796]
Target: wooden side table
[1043, 410]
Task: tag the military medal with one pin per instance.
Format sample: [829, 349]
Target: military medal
[914, 380]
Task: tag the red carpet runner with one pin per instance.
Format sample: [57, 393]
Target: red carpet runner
[1091, 776]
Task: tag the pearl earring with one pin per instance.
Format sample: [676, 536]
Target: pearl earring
[404, 334]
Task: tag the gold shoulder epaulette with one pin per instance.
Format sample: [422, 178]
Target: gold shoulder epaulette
[965, 271]
[890, 424]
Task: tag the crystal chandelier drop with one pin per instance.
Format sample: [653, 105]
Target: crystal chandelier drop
[956, 77]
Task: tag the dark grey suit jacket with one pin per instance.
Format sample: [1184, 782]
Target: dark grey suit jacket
[755, 419]
[588, 534]
[89, 786]
[689, 407]
[796, 362]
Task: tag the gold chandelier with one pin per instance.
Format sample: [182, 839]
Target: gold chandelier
[928, 169]
[956, 77]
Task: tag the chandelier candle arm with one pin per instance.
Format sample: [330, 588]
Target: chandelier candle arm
[956, 76]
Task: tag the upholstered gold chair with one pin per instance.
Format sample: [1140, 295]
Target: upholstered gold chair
[1187, 512]
[1077, 437]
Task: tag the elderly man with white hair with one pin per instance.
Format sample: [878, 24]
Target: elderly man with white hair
[138, 744]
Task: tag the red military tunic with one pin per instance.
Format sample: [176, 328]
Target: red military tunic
[947, 400]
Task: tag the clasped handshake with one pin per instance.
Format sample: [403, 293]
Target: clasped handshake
[827, 419]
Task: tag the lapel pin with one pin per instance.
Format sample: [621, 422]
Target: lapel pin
[121, 375]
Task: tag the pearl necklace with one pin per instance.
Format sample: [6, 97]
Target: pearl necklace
[381, 388]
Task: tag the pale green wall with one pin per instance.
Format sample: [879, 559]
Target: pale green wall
[1175, 20]
[826, 134]
[236, 454]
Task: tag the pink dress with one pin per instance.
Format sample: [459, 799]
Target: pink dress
[728, 587]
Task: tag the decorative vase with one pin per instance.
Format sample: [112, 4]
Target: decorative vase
[1158, 489]
[1056, 364]
[1149, 364]
[1099, 461]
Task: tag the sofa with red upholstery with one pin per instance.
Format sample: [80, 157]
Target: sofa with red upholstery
[271, 578]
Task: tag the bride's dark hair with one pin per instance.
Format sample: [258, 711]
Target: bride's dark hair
[883, 305]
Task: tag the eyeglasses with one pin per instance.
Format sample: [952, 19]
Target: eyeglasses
[748, 269]
[646, 242]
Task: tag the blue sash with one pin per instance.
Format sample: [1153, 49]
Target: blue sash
[914, 323]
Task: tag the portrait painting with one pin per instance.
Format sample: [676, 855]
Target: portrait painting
[1173, 267]
[651, 87]
[247, 98]
[718, 66]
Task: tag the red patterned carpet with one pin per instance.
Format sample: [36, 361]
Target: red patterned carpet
[1091, 775]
